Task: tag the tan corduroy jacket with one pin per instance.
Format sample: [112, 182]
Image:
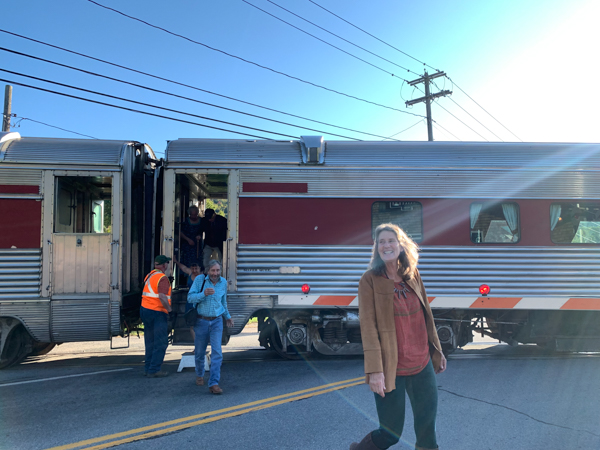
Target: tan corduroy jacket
[378, 329]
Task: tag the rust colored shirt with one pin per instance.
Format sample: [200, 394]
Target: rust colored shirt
[411, 331]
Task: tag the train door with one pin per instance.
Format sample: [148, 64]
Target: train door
[83, 236]
[207, 189]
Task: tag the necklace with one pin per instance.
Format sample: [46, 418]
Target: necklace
[403, 289]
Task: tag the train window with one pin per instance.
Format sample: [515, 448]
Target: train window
[83, 205]
[408, 215]
[63, 207]
[494, 222]
[575, 223]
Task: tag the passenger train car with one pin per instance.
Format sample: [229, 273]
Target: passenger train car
[75, 240]
[521, 218]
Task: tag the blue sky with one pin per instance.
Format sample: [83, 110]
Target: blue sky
[529, 63]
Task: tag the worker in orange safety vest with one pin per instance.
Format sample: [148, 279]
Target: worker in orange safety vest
[156, 306]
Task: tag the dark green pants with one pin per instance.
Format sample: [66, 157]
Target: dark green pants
[422, 393]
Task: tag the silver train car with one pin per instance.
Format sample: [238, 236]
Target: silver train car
[522, 219]
[75, 240]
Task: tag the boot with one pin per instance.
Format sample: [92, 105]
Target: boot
[365, 444]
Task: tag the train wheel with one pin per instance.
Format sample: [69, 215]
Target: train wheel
[278, 347]
[270, 336]
[15, 348]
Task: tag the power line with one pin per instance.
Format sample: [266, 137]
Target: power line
[482, 137]
[325, 42]
[412, 57]
[435, 124]
[178, 96]
[453, 101]
[374, 37]
[459, 88]
[248, 61]
[406, 129]
[183, 84]
[52, 126]
[141, 103]
[136, 110]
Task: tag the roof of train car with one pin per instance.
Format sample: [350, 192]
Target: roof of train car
[17, 149]
[466, 155]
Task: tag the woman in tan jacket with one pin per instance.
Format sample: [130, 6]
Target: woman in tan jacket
[400, 342]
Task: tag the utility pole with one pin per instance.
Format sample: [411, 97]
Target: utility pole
[428, 97]
[7, 107]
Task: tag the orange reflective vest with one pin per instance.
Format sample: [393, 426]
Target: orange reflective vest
[150, 298]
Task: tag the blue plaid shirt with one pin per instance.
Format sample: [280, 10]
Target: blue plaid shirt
[209, 305]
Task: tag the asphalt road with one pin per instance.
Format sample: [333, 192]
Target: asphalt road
[492, 397]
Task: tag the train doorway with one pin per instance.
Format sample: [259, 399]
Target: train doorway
[204, 227]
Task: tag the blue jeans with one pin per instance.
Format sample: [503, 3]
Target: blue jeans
[423, 395]
[209, 331]
[156, 338]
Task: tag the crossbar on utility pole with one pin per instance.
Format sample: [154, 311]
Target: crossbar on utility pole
[428, 97]
[7, 107]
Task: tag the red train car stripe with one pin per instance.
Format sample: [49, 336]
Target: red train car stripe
[430, 299]
[495, 302]
[582, 303]
[18, 189]
[336, 300]
[292, 188]
[21, 223]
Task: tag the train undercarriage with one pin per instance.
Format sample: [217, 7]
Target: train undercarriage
[297, 333]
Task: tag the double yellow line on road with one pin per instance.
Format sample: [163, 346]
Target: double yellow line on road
[137, 434]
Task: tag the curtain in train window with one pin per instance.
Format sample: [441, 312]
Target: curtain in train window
[408, 215]
[494, 222]
[575, 223]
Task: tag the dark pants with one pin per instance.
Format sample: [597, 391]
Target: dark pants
[156, 338]
[422, 393]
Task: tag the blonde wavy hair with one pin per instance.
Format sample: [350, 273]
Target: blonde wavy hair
[409, 254]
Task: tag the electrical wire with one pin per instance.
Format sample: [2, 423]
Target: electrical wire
[453, 101]
[374, 37]
[333, 34]
[18, 124]
[459, 88]
[183, 84]
[141, 103]
[482, 137]
[319, 39]
[248, 61]
[406, 129]
[437, 125]
[419, 61]
[178, 96]
[136, 110]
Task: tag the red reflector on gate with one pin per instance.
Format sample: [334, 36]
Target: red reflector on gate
[484, 289]
[305, 288]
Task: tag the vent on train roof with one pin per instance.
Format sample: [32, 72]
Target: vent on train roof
[313, 149]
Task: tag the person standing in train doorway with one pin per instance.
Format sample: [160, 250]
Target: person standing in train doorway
[156, 306]
[400, 342]
[208, 294]
[214, 227]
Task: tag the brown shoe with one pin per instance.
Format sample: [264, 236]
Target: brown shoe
[160, 374]
[199, 381]
[215, 389]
